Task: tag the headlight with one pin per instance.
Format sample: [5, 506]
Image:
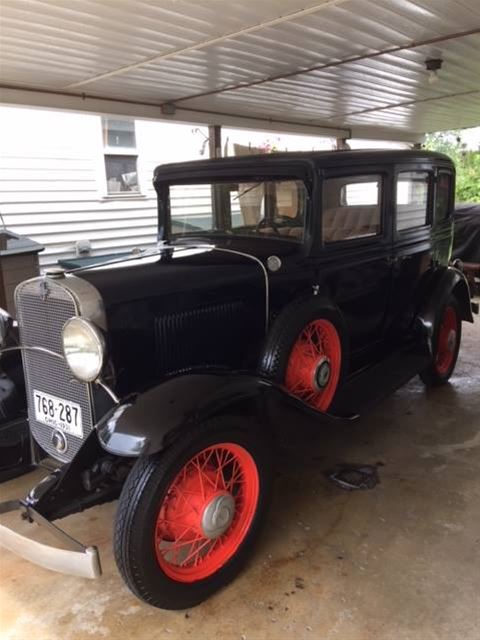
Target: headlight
[84, 348]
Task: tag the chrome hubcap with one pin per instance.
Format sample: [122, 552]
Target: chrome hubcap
[322, 374]
[218, 515]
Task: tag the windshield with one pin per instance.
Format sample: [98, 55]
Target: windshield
[274, 208]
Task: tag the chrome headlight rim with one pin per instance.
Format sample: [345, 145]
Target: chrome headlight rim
[99, 343]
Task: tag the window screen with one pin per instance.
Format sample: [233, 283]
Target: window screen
[351, 207]
[121, 173]
[412, 199]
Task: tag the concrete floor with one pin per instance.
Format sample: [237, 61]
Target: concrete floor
[399, 562]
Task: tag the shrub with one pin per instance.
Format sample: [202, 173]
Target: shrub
[467, 163]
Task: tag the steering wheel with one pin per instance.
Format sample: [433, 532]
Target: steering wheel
[287, 221]
[264, 223]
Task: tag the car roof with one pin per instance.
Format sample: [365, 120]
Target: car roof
[320, 159]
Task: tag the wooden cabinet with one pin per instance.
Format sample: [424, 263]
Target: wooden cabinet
[18, 262]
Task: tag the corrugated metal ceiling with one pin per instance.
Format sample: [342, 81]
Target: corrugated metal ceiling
[346, 64]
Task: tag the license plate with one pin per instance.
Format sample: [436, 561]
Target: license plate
[58, 413]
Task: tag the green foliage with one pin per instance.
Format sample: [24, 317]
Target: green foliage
[467, 163]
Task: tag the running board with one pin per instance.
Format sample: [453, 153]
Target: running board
[369, 387]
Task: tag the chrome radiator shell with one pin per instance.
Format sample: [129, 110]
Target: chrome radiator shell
[43, 306]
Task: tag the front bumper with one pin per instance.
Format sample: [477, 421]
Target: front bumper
[78, 560]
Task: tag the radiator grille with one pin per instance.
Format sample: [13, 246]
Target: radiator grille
[41, 316]
[207, 336]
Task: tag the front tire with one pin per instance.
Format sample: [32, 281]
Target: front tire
[446, 344]
[188, 518]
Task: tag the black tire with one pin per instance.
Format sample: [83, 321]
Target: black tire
[287, 328]
[433, 375]
[146, 489]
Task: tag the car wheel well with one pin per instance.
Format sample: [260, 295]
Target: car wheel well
[462, 294]
[298, 316]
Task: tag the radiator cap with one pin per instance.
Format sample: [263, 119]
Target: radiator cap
[55, 272]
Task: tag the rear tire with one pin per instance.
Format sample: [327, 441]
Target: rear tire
[188, 517]
[446, 344]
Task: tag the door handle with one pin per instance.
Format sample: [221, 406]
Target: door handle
[392, 260]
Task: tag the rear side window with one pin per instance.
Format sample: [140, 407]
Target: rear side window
[412, 199]
[443, 196]
[351, 207]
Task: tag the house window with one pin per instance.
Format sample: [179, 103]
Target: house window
[120, 153]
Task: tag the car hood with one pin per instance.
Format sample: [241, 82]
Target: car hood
[184, 270]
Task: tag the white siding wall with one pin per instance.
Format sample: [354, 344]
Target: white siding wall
[53, 187]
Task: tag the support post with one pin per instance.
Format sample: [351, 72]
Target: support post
[215, 140]
[342, 143]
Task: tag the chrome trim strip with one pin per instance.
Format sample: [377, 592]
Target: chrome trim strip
[265, 275]
[26, 348]
[107, 390]
[98, 381]
[84, 564]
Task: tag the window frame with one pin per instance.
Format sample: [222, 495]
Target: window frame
[420, 229]
[129, 152]
[384, 234]
[451, 196]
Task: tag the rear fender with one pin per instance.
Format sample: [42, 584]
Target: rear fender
[157, 417]
[449, 281]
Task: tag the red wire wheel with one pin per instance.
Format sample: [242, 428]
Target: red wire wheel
[314, 364]
[447, 341]
[206, 512]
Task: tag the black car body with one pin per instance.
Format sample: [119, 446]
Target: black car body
[466, 246]
[321, 280]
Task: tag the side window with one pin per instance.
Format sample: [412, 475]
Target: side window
[443, 196]
[191, 208]
[412, 199]
[351, 207]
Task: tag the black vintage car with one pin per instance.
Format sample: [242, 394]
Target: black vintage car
[317, 280]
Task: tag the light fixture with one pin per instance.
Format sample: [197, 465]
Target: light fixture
[433, 65]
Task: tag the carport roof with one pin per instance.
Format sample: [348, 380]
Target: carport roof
[346, 68]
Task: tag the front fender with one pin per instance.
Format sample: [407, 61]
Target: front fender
[15, 453]
[448, 281]
[157, 417]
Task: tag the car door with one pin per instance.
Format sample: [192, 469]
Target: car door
[413, 191]
[353, 259]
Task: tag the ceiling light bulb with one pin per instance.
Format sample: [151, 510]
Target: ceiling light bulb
[433, 65]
